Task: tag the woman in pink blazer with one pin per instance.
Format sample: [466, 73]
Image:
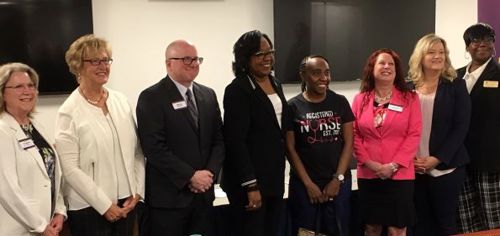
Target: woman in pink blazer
[386, 136]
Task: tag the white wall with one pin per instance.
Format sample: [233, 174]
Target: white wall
[452, 18]
[139, 31]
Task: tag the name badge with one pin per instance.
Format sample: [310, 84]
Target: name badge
[179, 105]
[490, 84]
[393, 107]
[26, 143]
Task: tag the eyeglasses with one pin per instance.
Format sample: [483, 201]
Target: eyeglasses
[21, 87]
[97, 62]
[262, 54]
[188, 60]
[486, 39]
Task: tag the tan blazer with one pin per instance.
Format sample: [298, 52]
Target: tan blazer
[25, 187]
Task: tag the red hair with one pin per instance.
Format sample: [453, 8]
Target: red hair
[368, 80]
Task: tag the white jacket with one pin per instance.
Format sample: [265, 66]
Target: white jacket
[85, 147]
[25, 187]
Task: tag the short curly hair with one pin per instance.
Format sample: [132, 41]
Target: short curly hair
[87, 45]
[6, 71]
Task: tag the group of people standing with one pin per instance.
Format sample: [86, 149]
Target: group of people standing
[412, 138]
[425, 158]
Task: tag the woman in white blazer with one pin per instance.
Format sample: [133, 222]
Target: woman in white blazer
[30, 175]
[96, 138]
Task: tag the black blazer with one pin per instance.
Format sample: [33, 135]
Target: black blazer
[483, 139]
[255, 144]
[173, 147]
[450, 123]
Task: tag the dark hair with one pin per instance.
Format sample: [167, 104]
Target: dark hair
[478, 31]
[368, 81]
[247, 45]
[303, 65]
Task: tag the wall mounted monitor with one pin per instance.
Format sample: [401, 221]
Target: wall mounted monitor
[346, 32]
[38, 33]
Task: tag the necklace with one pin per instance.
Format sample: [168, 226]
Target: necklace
[385, 99]
[93, 102]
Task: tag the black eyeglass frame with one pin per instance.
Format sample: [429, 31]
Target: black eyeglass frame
[188, 60]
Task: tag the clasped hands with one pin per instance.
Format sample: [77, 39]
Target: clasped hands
[116, 212]
[329, 192]
[201, 181]
[425, 164]
[383, 171]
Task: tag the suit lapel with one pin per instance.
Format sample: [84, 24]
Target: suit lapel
[57, 173]
[20, 135]
[365, 115]
[264, 99]
[438, 99]
[488, 73]
[201, 105]
[175, 96]
[390, 114]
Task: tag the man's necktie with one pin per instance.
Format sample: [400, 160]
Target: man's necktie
[191, 107]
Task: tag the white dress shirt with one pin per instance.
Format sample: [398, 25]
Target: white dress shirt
[471, 77]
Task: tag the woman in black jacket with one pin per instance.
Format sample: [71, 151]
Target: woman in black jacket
[441, 156]
[255, 121]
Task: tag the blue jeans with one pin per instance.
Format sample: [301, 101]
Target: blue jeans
[334, 214]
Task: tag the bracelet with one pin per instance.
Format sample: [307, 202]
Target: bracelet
[394, 167]
[252, 187]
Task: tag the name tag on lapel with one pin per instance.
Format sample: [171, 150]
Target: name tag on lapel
[179, 105]
[26, 143]
[393, 107]
[490, 84]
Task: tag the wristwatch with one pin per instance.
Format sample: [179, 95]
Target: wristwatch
[339, 177]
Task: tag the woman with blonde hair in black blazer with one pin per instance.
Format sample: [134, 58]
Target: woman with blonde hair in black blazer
[441, 157]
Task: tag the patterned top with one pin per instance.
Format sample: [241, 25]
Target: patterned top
[379, 110]
[47, 153]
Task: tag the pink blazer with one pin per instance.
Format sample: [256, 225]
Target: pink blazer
[396, 141]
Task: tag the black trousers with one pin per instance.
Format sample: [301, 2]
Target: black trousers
[194, 219]
[88, 222]
[262, 222]
[436, 201]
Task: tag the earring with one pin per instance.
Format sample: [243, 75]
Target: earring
[466, 55]
[494, 52]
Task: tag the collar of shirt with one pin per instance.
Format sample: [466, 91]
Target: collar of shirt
[182, 89]
[471, 78]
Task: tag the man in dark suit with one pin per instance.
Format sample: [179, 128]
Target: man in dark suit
[179, 124]
[479, 206]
